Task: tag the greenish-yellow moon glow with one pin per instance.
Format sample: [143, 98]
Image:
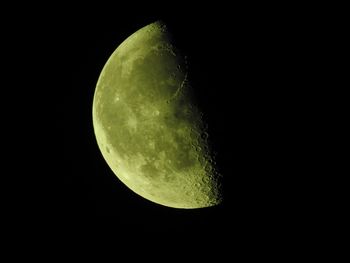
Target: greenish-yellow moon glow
[148, 127]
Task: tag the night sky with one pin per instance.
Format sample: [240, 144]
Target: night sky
[245, 85]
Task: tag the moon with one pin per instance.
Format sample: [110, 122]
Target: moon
[148, 127]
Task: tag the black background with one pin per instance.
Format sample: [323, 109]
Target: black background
[246, 63]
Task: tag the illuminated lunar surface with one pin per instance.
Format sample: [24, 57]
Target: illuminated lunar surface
[148, 127]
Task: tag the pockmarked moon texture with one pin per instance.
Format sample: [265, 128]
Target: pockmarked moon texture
[148, 127]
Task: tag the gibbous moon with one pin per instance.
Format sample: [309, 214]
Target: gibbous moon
[148, 127]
